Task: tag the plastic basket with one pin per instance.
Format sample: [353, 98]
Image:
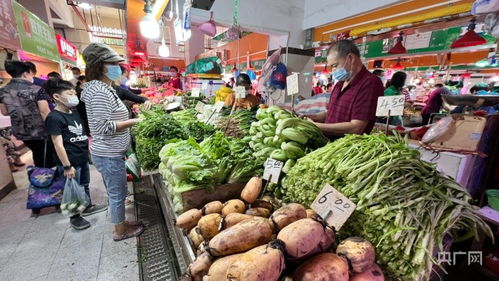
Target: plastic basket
[493, 196]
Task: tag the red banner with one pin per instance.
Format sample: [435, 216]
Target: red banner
[9, 38]
[66, 49]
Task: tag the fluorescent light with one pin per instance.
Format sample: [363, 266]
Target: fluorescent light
[163, 49]
[482, 63]
[85, 6]
[149, 27]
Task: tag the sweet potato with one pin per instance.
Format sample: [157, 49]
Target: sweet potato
[209, 225]
[275, 203]
[202, 248]
[235, 218]
[214, 207]
[259, 203]
[325, 266]
[218, 270]
[188, 219]
[259, 212]
[263, 263]
[233, 206]
[288, 214]
[311, 214]
[200, 266]
[252, 190]
[196, 237]
[374, 273]
[304, 237]
[359, 252]
[241, 237]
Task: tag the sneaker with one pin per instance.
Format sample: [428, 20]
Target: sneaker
[79, 223]
[94, 209]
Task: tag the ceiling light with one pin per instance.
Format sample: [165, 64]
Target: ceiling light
[149, 27]
[85, 6]
[163, 50]
[470, 38]
[482, 63]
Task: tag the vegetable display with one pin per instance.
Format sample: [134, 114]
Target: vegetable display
[238, 124]
[404, 205]
[192, 127]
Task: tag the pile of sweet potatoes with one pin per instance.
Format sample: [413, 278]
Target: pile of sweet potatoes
[251, 239]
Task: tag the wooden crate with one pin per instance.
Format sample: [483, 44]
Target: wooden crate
[198, 198]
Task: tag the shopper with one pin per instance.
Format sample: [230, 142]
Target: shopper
[434, 103]
[318, 89]
[174, 81]
[381, 74]
[76, 73]
[44, 100]
[352, 106]
[18, 100]
[33, 71]
[70, 141]
[110, 130]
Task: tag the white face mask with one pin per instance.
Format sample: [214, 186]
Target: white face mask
[71, 101]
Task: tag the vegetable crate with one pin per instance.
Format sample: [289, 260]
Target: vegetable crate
[198, 198]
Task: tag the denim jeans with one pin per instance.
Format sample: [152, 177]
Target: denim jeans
[113, 171]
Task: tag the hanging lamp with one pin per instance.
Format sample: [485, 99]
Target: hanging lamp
[470, 38]
[398, 65]
[209, 28]
[398, 48]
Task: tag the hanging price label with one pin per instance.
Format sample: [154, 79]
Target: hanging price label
[200, 106]
[394, 104]
[272, 170]
[333, 206]
[195, 92]
[204, 85]
[292, 85]
[218, 106]
[240, 92]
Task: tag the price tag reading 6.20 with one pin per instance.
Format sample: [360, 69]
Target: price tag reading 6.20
[333, 206]
[272, 170]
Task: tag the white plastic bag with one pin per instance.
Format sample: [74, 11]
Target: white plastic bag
[74, 198]
[438, 129]
[485, 7]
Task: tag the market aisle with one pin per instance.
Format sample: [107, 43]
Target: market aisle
[47, 248]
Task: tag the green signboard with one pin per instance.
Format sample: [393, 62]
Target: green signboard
[257, 65]
[35, 35]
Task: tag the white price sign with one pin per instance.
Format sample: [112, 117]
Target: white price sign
[195, 92]
[292, 84]
[200, 106]
[204, 85]
[333, 206]
[218, 106]
[394, 104]
[272, 170]
[240, 92]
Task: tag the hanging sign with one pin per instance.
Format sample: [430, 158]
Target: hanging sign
[35, 35]
[66, 49]
[272, 170]
[333, 207]
[390, 104]
[9, 37]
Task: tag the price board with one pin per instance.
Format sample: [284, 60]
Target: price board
[195, 92]
[272, 170]
[218, 106]
[204, 85]
[292, 84]
[200, 106]
[393, 104]
[333, 206]
[240, 92]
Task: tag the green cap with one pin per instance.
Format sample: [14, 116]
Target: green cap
[98, 52]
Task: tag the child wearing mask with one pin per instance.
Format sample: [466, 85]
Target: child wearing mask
[70, 140]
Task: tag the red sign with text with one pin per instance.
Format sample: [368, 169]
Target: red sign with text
[66, 49]
[9, 37]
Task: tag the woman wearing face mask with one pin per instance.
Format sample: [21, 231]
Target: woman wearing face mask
[110, 129]
[70, 140]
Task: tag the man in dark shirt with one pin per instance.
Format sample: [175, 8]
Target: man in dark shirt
[352, 106]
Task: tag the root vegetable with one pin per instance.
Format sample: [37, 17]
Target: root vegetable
[252, 190]
[209, 225]
[311, 214]
[235, 218]
[305, 237]
[263, 263]
[196, 237]
[214, 207]
[374, 273]
[325, 267]
[272, 201]
[188, 219]
[233, 206]
[358, 251]
[259, 203]
[241, 237]
[288, 214]
[202, 248]
[200, 266]
[259, 212]
[218, 270]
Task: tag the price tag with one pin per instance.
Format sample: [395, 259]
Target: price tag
[204, 85]
[218, 106]
[240, 92]
[292, 84]
[200, 106]
[333, 206]
[272, 170]
[394, 104]
[195, 92]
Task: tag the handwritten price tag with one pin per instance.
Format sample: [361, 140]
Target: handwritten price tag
[272, 170]
[195, 92]
[200, 106]
[204, 85]
[292, 84]
[218, 106]
[333, 206]
[394, 104]
[240, 92]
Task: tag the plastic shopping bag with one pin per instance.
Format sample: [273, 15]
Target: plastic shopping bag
[74, 198]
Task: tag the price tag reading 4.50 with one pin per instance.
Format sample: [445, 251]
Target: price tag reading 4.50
[272, 170]
[195, 92]
[333, 206]
[240, 92]
[394, 104]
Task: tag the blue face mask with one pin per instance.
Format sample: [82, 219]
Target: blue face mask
[113, 72]
[341, 74]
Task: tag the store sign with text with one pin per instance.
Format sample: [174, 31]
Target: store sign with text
[35, 35]
[9, 38]
[66, 49]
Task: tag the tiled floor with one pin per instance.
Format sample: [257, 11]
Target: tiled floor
[47, 248]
